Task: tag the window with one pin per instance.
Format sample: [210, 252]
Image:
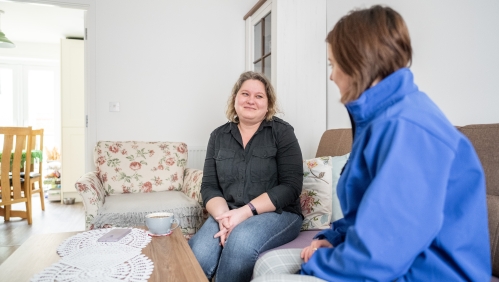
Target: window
[32, 94]
[259, 38]
[262, 46]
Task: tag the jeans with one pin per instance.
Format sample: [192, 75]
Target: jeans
[247, 240]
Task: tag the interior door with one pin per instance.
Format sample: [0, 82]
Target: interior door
[72, 115]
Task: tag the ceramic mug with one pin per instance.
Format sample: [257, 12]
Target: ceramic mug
[160, 222]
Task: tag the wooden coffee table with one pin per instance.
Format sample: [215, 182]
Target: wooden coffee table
[172, 257]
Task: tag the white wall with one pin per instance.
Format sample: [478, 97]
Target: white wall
[456, 57]
[170, 64]
[299, 30]
[32, 51]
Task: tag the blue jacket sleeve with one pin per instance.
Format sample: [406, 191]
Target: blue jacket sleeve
[401, 209]
[335, 235]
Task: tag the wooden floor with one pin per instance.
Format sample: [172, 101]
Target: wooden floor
[56, 218]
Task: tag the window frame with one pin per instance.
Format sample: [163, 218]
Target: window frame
[251, 21]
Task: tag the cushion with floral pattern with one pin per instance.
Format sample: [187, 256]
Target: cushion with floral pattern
[316, 196]
[140, 167]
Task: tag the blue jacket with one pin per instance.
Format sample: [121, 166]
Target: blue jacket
[412, 195]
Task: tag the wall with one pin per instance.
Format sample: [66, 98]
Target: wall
[40, 52]
[455, 59]
[299, 30]
[170, 64]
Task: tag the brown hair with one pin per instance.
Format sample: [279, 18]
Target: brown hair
[369, 44]
[269, 91]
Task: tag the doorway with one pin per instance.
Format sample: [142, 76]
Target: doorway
[30, 73]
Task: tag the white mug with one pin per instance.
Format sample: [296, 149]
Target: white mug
[160, 222]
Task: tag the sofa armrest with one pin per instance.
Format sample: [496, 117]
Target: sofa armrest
[91, 190]
[192, 184]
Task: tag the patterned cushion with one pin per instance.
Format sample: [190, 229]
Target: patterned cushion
[133, 167]
[192, 184]
[316, 196]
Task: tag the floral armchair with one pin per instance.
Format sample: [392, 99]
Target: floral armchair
[136, 178]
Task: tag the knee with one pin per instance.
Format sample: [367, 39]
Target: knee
[242, 242]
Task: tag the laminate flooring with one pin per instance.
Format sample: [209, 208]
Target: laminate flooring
[57, 217]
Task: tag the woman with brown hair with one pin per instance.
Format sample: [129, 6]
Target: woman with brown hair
[413, 190]
[252, 181]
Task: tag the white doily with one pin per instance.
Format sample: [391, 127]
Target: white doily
[100, 263]
[138, 238]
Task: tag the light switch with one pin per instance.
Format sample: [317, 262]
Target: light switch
[114, 106]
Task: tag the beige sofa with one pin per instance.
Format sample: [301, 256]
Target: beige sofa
[485, 139]
[135, 178]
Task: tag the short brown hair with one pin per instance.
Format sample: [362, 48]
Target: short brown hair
[269, 91]
[369, 44]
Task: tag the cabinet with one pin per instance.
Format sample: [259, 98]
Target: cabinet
[72, 116]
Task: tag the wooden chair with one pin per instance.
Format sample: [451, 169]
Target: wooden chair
[15, 140]
[36, 175]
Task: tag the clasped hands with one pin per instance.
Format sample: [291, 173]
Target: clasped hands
[227, 221]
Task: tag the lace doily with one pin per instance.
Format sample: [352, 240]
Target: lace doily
[100, 263]
[138, 238]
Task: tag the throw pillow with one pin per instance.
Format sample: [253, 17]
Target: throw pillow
[315, 199]
[338, 163]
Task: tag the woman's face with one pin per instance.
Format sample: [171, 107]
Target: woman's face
[251, 102]
[342, 80]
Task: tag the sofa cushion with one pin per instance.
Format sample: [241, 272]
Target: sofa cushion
[133, 167]
[337, 163]
[316, 196]
[128, 210]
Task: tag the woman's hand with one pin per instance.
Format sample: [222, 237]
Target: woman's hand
[231, 219]
[224, 231]
[307, 252]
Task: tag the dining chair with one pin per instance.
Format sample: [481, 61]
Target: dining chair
[35, 173]
[11, 182]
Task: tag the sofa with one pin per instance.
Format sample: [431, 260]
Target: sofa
[485, 139]
[136, 178]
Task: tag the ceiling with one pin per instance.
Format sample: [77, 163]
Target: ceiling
[37, 23]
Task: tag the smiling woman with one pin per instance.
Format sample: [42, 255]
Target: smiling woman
[252, 180]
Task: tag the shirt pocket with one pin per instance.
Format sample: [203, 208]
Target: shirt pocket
[263, 164]
[225, 160]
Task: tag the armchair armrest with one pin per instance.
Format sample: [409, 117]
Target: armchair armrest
[192, 184]
[91, 190]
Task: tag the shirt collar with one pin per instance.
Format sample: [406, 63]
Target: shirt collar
[233, 126]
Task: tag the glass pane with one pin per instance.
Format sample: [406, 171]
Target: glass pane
[7, 97]
[258, 41]
[267, 35]
[267, 67]
[42, 104]
[257, 67]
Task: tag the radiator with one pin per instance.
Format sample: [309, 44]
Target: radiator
[196, 157]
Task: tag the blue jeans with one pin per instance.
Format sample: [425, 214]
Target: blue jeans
[247, 240]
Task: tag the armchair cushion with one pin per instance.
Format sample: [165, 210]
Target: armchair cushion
[126, 210]
[140, 167]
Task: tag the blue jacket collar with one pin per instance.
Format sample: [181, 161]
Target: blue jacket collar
[387, 92]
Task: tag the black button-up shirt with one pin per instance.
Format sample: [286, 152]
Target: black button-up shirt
[271, 162]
